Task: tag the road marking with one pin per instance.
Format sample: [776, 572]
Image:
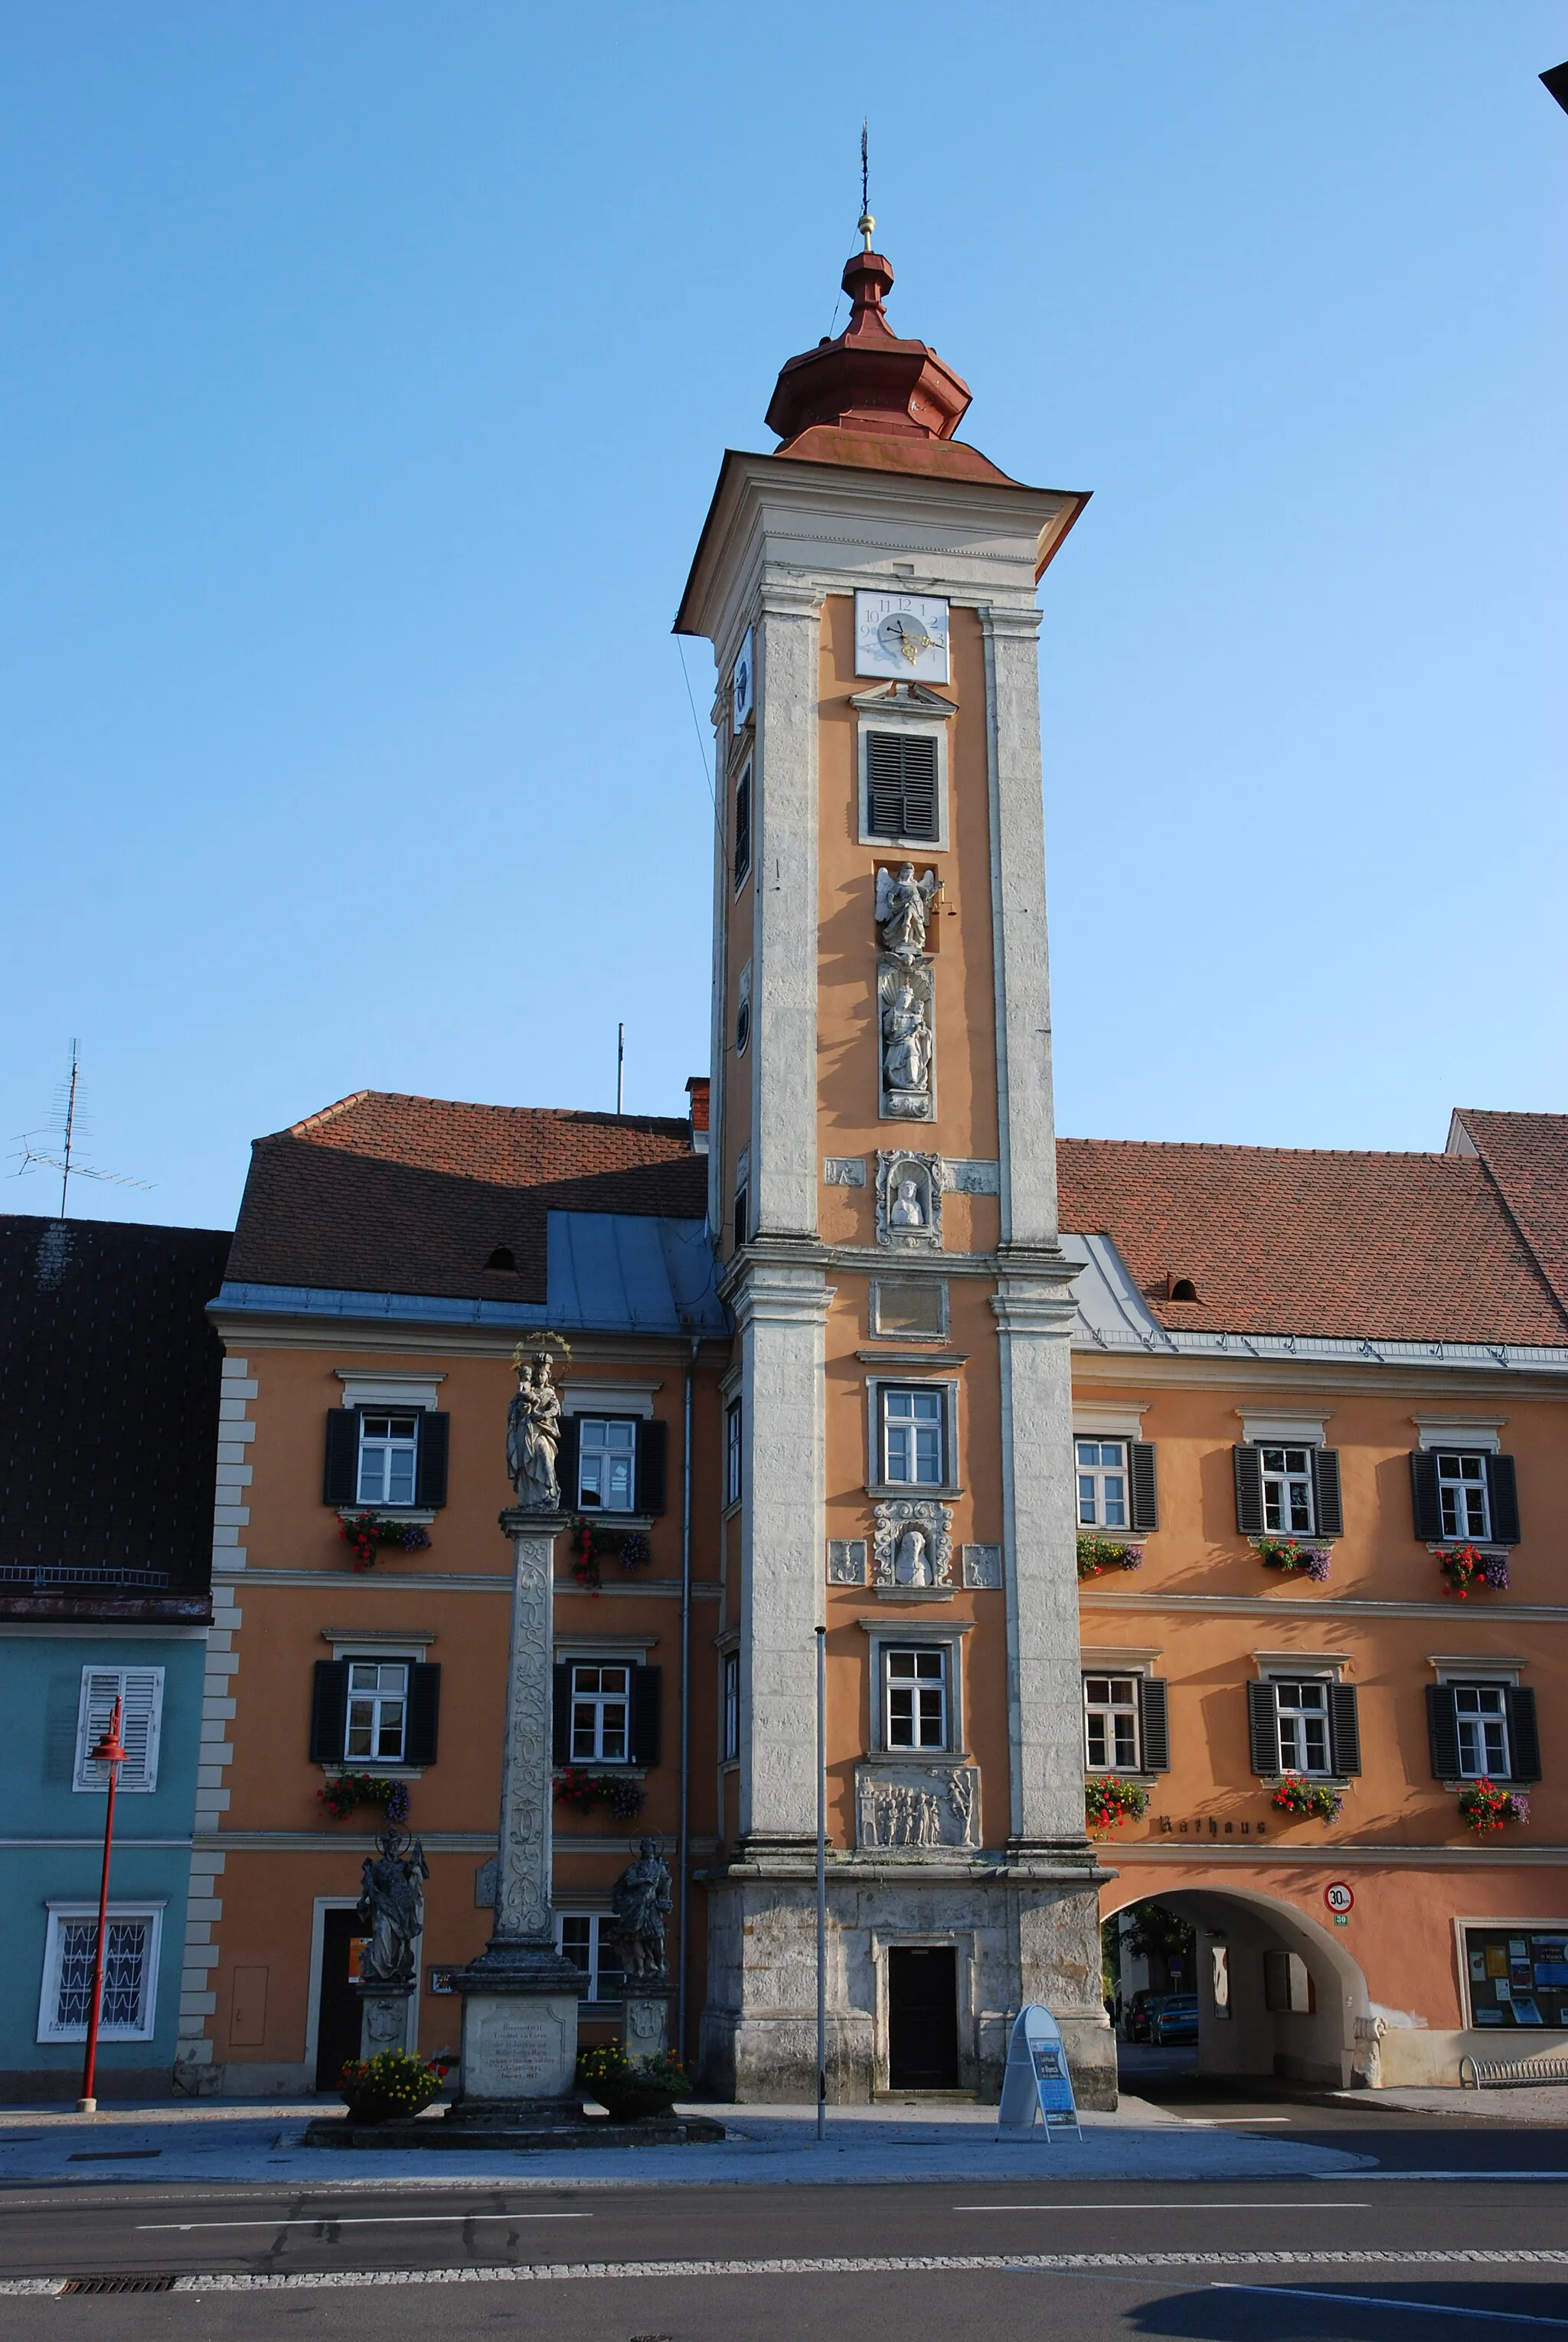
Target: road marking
[355, 2220]
[1215, 2122]
[1258, 2204]
[1378, 2301]
[845, 2264]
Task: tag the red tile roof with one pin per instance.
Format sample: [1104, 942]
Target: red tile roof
[387, 1194]
[1527, 1156]
[1405, 1247]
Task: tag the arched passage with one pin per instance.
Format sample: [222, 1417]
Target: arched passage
[1278, 1995]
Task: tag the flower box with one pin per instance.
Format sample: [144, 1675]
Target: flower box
[1467, 1570]
[1291, 1554]
[1485, 1806]
[1108, 1802]
[1096, 1554]
[1306, 1800]
[346, 1791]
[366, 1533]
[590, 1793]
[592, 1542]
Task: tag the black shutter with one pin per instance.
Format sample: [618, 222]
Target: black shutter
[1145, 1490]
[424, 1715]
[328, 1710]
[1424, 1492]
[901, 784]
[1523, 1739]
[1503, 1499]
[742, 823]
[430, 1474]
[1154, 1719]
[566, 1461]
[647, 1699]
[1343, 1729]
[1442, 1728]
[340, 1481]
[1249, 1466]
[1328, 1511]
[561, 1714]
[1263, 1727]
[651, 1442]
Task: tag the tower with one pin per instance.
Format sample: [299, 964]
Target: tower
[883, 1184]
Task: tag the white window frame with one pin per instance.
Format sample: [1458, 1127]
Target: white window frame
[142, 1690]
[1111, 1709]
[378, 1696]
[1284, 1480]
[1462, 1485]
[734, 1450]
[878, 1388]
[386, 1449]
[872, 720]
[1095, 1475]
[1476, 1687]
[1286, 1716]
[149, 1910]
[730, 1706]
[620, 1423]
[601, 1926]
[597, 1698]
[941, 1686]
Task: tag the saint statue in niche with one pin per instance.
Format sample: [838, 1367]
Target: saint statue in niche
[908, 1210]
[912, 1559]
[903, 910]
[906, 1044]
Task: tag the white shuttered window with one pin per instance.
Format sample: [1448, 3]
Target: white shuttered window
[142, 1691]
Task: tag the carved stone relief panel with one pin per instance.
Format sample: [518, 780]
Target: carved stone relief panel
[906, 1012]
[844, 1170]
[916, 1808]
[971, 1175]
[909, 1200]
[983, 1566]
[847, 1561]
[913, 1545]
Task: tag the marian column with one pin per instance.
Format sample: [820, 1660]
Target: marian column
[520, 1997]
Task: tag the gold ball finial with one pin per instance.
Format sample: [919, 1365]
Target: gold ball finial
[866, 224]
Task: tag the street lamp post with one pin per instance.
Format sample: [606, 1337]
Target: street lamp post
[110, 1752]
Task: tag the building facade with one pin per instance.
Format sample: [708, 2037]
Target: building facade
[109, 1375]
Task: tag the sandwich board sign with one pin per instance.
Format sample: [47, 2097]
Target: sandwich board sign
[1036, 2078]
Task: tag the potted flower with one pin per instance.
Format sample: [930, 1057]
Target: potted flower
[1465, 1569]
[391, 2086]
[1108, 1802]
[632, 2088]
[592, 1540]
[1096, 1554]
[366, 1533]
[588, 1793]
[1289, 1554]
[344, 1791]
[1306, 1800]
[1485, 1806]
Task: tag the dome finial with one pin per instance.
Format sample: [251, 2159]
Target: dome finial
[866, 224]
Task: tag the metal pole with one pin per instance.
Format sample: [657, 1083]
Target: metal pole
[620, 1068]
[682, 1892]
[109, 1751]
[822, 1882]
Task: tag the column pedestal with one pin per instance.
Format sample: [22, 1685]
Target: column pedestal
[520, 1997]
[382, 2016]
[646, 2018]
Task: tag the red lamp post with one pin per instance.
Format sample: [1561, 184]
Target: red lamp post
[110, 1752]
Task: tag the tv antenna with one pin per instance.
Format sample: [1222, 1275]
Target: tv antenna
[65, 1130]
[620, 1068]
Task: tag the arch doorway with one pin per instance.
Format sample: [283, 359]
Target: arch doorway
[1277, 1996]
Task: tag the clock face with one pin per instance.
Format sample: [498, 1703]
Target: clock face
[742, 685]
[903, 635]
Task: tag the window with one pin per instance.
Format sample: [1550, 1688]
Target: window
[913, 1438]
[1287, 1491]
[388, 1458]
[377, 1714]
[742, 1208]
[915, 1696]
[607, 1464]
[743, 861]
[1480, 1713]
[901, 785]
[1101, 1484]
[1518, 1975]
[733, 1452]
[140, 1693]
[1303, 1725]
[731, 1739]
[1461, 1494]
[130, 1972]
[1288, 1985]
[1110, 1723]
[600, 1715]
[587, 1938]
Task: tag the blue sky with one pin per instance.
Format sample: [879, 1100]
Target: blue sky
[368, 367]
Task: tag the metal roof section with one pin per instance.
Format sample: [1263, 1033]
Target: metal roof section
[1114, 1317]
[614, 1271]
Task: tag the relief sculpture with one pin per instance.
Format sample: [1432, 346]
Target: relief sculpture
[912, 1809]
[913, 1544]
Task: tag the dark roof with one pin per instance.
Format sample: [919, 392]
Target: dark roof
[1527, 1157]
[109, 1375]
[1405, 1247]
[388, 1194]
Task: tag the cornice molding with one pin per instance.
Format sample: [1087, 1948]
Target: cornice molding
[1278, 1606]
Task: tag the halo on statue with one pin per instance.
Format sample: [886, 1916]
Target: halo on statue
[531, 1347]
[634, 1845]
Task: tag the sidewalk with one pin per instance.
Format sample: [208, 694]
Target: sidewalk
[238, 2144]
[1528, 2107]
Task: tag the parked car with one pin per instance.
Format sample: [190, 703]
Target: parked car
[1175, 2020]
[1138, 2015]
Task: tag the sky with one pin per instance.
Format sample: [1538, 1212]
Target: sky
[367, 369]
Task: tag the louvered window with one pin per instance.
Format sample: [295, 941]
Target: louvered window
[901, 774]
[141, 1689]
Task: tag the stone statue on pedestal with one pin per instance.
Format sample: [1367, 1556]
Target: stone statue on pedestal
[534, 1435]
[392, 1908]
[641, 1901]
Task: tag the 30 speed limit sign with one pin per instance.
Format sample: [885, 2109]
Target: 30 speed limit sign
[1339, 1898]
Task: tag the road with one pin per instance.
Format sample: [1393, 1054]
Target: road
[1377, 2255]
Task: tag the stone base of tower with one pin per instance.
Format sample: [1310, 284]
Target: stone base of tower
[1015, 1933]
